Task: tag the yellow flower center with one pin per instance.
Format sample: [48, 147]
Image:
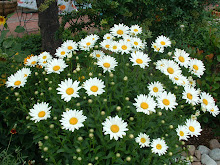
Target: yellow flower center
[189, 96]
[135, 30]
[41, 114]
[45, 62]
[18, 82]
[195, 67]
[136, 43]
[98, 55]
[144, 105]
[108, 38]
[128, 40]
[33, 62]
[94, 88]
[170, 70]
[139, 61]
[88, 43]
[73, 121]
[205, 101]
[155, 89]
[155, 46]
[212, 110]
[181, 133]
[159, 147]
[120, 32]
[176, 78]
[114, 128]
[70, 47]
[107, 46]
[143, 140]
[44, 57]
[56, 68]
[114, 47]
[181, 58]
[124, 47]
[162, 43]
[106, 65]
[62, 53]
[25, 75]
[166, 102]
[191, 128]
[69, 91]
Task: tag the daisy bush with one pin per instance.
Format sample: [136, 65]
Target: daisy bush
[113, 99]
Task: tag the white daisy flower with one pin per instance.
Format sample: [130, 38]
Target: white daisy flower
[24, 71]
[145, 104]
[108, 36]
[214, 110]
[32, 61]
[127, 38]
[70, 45]
[157, 47]
[16, 81]
[93, 37]
[94, 86]
[167, 101]
[180, 80]
[143, 140]
[44, 56]
[192, 82]
[181, 57]
[72, 119]
[155, 88]
[40, 111]
[124, 47]
[119, 30]
[86, 44]
[182, 132]
[137, 43]
[43, 63]
[159, 146]
[106, 44]
[206, 100]
[68, 89]
[114, 47]
[160, 64]
[55, 66]
[135, 30]
[194, 127]
[115, 127]
[163, 41]
[171, 69]
[61, 52]
[196, 67]
[107, 63]
[98, 54]
[191, 95]
[139, 58]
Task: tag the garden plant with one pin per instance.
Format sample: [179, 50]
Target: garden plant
[111, 99]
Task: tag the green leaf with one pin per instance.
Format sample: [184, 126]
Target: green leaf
[3, 35]
[19, 29]
[218, 58]
[7, 43]
[60, 150]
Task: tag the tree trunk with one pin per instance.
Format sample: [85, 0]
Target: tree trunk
[49, 24]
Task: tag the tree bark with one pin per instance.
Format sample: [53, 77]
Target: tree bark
[49, 24]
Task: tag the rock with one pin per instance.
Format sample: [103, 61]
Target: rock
[206, 160]
[218, 162]
[195, 159]
[196, 163]
[215, 154]
[198, 154]
[184, 154]
[191, 149]
[203, 149]
[214, 144]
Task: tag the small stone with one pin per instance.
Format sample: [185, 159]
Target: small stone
[184, 154]
[215, 154]
[195, 159]
[203, 149]
[191, 149]
[206, 160]
[198, 154]
[196, 163]
[218, 162]
[214, 144]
